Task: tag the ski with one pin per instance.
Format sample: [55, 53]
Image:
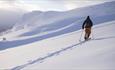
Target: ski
[81, 42]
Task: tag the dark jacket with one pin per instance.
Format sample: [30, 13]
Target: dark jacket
[87, 23]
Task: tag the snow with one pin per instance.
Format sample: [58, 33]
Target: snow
[8, 17]
[65, 52]
[55, 44]
[40, 20]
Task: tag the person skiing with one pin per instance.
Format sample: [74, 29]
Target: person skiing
[87, 24]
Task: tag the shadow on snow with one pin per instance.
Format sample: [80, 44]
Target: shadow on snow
[74, 27]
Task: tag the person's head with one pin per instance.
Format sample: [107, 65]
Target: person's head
[87, 16]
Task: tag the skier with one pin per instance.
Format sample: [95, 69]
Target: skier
[87, 24]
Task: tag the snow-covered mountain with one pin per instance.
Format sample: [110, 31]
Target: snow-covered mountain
[9, 17]
[52, 20]
[50, 40]
[62, 23]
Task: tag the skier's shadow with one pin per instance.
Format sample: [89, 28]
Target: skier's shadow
[16, 43]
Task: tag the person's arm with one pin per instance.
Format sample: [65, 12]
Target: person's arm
[91, 23]
[83, 24]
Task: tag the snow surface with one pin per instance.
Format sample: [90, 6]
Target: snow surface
[54, 43]
[65, 52]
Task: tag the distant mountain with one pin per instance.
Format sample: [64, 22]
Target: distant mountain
[9, 17]
[37, 18]
[52, 20]
[95, 10]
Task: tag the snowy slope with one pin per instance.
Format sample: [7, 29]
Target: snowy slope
[52, 20]
[52, 23]
[50, 40]
[65, 52]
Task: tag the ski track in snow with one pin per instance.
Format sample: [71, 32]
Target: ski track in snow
[41, 59]
[49, 34]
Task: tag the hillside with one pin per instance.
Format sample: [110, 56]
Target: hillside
[65, 52]
[50, 40]
[39, 21]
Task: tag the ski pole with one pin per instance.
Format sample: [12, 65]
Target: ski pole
[81, 35]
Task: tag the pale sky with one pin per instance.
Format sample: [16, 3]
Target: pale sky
[48, 5]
